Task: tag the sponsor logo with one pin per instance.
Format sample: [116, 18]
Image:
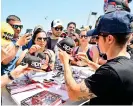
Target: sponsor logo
[7, 36]
[36, 64]
[67, 48]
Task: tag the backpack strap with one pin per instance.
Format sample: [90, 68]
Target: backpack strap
[49, 43]
[88, 54]
[76, 51]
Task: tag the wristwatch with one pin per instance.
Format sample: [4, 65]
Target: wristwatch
[10, 76]
[16, 45]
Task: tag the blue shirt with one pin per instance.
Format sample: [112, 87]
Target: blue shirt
[27, 46]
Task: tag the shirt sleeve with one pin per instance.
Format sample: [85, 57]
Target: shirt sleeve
[104, 82]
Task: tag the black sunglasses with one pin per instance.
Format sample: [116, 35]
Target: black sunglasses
[17, 26]
[40, 39]
[58, 28]
[83, 36]
[103, 35]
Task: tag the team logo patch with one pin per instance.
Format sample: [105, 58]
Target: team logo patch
[7, 36]
[67, 48]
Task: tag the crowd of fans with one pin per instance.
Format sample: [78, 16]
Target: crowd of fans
[107, 49]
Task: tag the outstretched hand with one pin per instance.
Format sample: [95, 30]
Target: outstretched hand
[19, 70]
[83, 57]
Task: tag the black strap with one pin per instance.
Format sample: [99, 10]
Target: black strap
[10, 76]
[77, 50]
[88, 54]
[49, 43]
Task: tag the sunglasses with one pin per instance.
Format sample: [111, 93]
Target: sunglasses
[83, 36]
[103, 35]
[39, 39]
[58, 28]
[17, 26]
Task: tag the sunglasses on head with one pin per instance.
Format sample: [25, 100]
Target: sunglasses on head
[40, 39]
[83, 36]
[58, 28]
[17, 26]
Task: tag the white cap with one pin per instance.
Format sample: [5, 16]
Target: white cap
[56, 23]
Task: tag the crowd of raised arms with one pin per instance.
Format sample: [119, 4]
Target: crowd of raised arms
[107, 49]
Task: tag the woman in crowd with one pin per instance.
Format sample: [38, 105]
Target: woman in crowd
[39, 46]
[91, 50]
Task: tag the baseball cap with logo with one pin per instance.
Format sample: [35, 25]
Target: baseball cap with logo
[56, 23]
[35, 62]
[66, 44]
[114, 22]
[7, 33]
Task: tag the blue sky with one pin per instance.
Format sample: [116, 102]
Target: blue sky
[33, 12]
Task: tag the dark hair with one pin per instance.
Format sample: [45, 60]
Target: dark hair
[35, 33]
[71, 23]
[121, 38]
[13, 18]
[52, 23]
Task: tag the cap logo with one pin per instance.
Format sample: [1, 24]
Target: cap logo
[7, 36]
[67, 48]
[36, 64]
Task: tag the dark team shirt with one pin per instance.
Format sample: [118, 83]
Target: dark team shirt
[112, 83]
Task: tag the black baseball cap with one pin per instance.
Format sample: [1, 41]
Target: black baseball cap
[66, 44]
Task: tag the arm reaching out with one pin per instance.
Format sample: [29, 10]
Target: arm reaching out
[14, 73]
[76, 91]
[91, 64]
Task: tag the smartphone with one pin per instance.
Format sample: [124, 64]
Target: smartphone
[29, 31]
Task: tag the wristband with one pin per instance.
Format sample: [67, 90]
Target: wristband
[10, 76]
[16, 45]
